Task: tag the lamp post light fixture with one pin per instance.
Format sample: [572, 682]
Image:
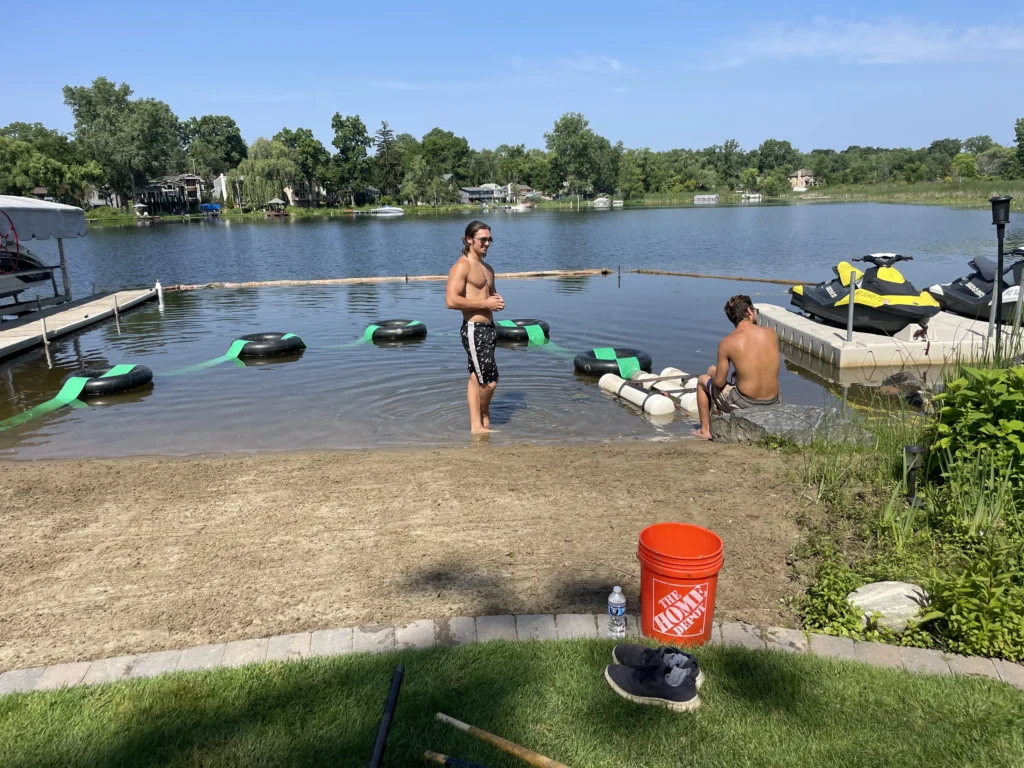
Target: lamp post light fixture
[1000, 218]
[913, 458]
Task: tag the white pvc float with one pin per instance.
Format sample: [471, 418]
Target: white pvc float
[656, 405]
[672, 379]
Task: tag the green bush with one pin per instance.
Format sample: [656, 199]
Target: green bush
[981, 419]
[825, 607]
[965, 544]
[980, 611]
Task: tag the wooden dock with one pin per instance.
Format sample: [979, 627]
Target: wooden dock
[24, 334]
[950, 338]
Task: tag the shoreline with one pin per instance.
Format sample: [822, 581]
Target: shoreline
[147, 554]
[841, 195]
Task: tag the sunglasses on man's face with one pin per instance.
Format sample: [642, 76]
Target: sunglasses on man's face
[484, 240]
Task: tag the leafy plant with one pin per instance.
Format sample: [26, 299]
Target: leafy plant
[899, 518]
[830, 471]
[825, 606]
[981, 610]
[979, 500]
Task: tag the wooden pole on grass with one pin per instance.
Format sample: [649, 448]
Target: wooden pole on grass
[452, 762]
[526, 755]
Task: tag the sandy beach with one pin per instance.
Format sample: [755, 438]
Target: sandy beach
[107, 557]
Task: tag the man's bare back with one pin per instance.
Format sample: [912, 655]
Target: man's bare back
[750, 350]
[753, 352]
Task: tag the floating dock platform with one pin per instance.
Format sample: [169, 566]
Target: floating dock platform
[19, 335]
[950, 337]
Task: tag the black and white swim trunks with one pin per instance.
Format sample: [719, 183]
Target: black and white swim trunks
[479, 340]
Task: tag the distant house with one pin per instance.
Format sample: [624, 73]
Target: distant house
[40, 193]
[220, 188]
[485, 193]
[193, 186]
[368, 196]
[513, 190]
[801, 179]
[103, 196]
[171, 194]
[302, 195]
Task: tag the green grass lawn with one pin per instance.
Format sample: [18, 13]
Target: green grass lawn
[760, 709]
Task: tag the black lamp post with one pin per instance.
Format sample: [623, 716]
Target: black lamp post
[1000, 217]
[913, 456]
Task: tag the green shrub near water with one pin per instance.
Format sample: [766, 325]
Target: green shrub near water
[965, 545]
[981, 418]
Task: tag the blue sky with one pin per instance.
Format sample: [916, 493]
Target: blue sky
[652, 73]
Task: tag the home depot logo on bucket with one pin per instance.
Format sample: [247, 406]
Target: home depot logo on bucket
[679, 610]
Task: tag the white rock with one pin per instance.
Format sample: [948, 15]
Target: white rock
[896, 601]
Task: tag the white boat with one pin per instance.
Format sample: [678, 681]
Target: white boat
[388, 210]
[603, 203]
[618, 203]
[13, 265]
[751, 197]
[521, 207]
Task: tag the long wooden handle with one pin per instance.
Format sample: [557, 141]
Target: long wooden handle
[524, 754]
[452, 762]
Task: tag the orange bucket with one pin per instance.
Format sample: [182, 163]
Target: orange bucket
[679, 565]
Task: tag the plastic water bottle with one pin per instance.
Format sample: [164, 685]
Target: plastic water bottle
[616, 613]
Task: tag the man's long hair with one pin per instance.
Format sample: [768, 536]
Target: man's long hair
[471, 230]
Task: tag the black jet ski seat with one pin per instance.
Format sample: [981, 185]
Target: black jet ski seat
[986, 267]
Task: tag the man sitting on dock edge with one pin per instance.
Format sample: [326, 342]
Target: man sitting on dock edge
[753, 352]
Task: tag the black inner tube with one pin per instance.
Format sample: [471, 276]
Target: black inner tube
[271, 344]
[138, 376]
[590, 364]
[519, 332]
[390, 330]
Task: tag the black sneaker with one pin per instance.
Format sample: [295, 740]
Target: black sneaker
[636, 655]
[658, 685]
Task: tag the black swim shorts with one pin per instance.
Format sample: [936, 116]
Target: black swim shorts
[479, 340]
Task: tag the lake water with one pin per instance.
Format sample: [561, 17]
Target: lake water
[345, 394]
[787, 241]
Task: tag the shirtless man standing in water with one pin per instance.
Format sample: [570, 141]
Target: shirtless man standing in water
[471, 291]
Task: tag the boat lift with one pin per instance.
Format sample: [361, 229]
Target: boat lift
[32, 219]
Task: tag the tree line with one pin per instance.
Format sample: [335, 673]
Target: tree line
[120, 142]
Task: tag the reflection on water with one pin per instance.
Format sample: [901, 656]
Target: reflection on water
[858, 386]
[363, 300]
[570, 285]
[344, 393]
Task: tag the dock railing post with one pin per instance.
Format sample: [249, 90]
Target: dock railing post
[46, 343]
[849, 315]
[117, 314]
[64, 270]
[159, 295]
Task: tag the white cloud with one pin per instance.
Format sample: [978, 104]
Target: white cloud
[890, 41]
[595, 64]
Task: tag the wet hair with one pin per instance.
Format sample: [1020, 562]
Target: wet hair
[736, 308]
[471, 230]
